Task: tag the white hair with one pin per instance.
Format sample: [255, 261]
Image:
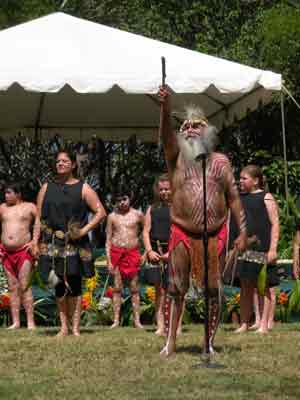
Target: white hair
[193, 112]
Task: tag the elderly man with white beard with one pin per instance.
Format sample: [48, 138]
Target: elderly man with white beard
[183, 151]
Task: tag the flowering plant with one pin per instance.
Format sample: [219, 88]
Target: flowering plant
[147, 306]
[96, 302]
[4, 301]
[283, 301]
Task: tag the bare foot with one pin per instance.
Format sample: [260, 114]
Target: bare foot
[76, 333]
[254, 327]
[31, 327]
[62, 333]
[242, 329]
[115, 325]
[179, 332]
[270, 325]
[14, 326]
[138, 325]
[160, 332]
[168, 351]
[262, 331]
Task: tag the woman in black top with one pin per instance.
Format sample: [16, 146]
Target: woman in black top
[156, 237]
[63, 207]
[263, 223]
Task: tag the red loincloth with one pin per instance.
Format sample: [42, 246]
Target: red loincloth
[127, 260]
[13, 260]
[222, 238]
[216, 244]
[177, 235]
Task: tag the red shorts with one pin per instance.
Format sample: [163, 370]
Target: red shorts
[127, 260]
[13, 260]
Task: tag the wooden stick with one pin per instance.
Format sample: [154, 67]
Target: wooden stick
[163, 83]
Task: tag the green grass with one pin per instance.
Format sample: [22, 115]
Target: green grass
[125, 364]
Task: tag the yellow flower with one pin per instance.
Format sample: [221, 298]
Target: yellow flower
[238, 298]
[150, 292]
[86, 300]
[91, 284]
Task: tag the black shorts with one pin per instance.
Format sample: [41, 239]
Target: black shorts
[75, 284]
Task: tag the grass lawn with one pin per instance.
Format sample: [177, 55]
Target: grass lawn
[125, 364]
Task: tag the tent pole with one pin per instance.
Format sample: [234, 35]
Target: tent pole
[284, 152]
[38, 117]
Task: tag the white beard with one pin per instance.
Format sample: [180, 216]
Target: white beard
[193, 147]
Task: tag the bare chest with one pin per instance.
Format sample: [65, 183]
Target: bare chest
[128, 222]
[16, 215]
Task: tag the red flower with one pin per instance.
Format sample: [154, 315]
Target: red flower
[283, 298]
[4, 300]
[86, 301]
[109, 292]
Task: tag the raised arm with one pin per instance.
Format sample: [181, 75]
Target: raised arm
[168, 135]
[272, 210]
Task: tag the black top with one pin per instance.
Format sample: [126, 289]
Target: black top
[257, 220]
[160, 223]
[63, 203]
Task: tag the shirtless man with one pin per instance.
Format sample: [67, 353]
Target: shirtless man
[17, 251]
[183, 152]
[123, 255]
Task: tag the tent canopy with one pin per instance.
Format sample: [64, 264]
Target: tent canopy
[62, 73]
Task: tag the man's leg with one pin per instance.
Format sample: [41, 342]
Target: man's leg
[15, 301]
[179, 327]
[117, 299]
[179, 269]
[159, 310]
[27, 298]
[135, 300]
[215, 311]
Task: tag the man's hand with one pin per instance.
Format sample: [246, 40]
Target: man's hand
[111, 269]
[33, 248]
[163, 95]
[241, 242]
[165, 257]
[153, 256]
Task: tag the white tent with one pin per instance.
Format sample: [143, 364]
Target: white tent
[59, 73]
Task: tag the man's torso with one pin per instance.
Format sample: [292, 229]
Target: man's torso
[126, 228]
[187, 209]
[15, 223]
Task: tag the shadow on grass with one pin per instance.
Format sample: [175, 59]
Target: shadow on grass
[230, 329]
[195, 349]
